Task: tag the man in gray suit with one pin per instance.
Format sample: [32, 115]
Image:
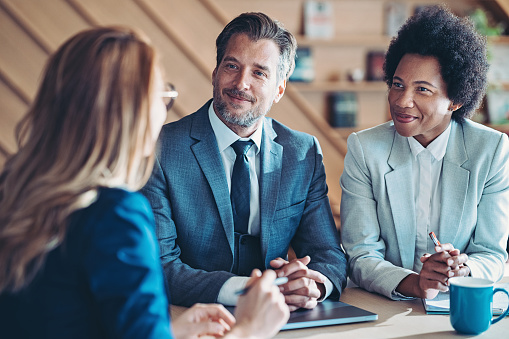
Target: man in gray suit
[220, 215]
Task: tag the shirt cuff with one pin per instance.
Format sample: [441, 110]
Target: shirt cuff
[398, 296]
[227, 294]
[328, 289]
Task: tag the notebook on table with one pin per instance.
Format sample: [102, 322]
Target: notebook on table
[326, 313]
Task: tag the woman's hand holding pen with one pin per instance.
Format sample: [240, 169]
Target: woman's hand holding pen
[453, 259]
[437, 268]
[262, 311]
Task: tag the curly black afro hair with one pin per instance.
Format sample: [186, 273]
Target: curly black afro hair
[460, 50]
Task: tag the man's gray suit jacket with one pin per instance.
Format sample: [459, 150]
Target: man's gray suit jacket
[189, 195]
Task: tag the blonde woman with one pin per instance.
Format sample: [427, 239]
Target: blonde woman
[78, 253]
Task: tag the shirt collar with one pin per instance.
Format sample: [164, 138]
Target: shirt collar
[225, 136]
[437, 147]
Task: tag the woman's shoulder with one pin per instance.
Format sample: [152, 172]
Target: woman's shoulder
[115, 197]
[378, 133]
[472, 128]
[114, 208]
[481, 138]
[378, 139]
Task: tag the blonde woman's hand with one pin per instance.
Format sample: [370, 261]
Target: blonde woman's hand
[262, 311]
[203, 319]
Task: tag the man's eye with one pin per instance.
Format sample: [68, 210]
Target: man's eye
[397, 84]
[260, 74]
[423, 89]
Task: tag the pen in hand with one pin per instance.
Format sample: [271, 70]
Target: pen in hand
[277, 282]
[434, 238]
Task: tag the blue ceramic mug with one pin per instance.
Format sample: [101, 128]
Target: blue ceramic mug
[471, 304]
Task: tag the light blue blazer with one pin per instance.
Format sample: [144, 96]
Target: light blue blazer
[190, 198]
[378, 224]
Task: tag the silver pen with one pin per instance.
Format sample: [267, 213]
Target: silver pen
[277, 282]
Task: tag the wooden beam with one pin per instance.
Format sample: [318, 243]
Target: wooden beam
[504, 4]
[26, 25]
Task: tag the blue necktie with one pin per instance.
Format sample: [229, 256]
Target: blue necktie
[241, 186]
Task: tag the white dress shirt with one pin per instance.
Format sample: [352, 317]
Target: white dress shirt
[427, 183]
[225, 137]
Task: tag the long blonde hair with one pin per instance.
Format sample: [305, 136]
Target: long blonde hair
[87, 128]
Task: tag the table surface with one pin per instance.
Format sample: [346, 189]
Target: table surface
[396, 319]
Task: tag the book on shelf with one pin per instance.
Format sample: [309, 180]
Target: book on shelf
[375, 65]
[395, 14]
[343, 109]
[304, 70]
[318, 19]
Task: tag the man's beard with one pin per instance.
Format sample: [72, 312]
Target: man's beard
[247, 119]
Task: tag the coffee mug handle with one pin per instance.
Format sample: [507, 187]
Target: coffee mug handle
[497, 319]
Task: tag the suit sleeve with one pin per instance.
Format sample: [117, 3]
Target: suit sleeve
[487, 247]
[360, 227]
[317, 235]
[187, 285]
[123, 270]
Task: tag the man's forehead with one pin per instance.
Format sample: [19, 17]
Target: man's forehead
[263, 53]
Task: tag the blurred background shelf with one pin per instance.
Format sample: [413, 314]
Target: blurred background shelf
[331, 86]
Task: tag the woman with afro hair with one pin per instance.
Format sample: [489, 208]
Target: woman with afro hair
[430, 169]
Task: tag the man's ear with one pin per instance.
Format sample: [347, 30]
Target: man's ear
[280, 91]
[214, 74]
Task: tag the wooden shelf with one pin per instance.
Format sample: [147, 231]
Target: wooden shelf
[378, 41]
[338, 86]
[502, 39]
[499, 85]
[504, 128]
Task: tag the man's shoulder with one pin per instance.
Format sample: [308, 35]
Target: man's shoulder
[287, 135]
[177, 129]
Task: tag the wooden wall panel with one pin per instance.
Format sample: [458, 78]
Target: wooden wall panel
[49, 22]
[192, 23]
[194, 87]
[12, 108]
[289, 12]
[21, 59]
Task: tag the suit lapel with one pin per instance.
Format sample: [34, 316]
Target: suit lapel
[207, 155]
[454, 185]
[271, 156]
[401, 198]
